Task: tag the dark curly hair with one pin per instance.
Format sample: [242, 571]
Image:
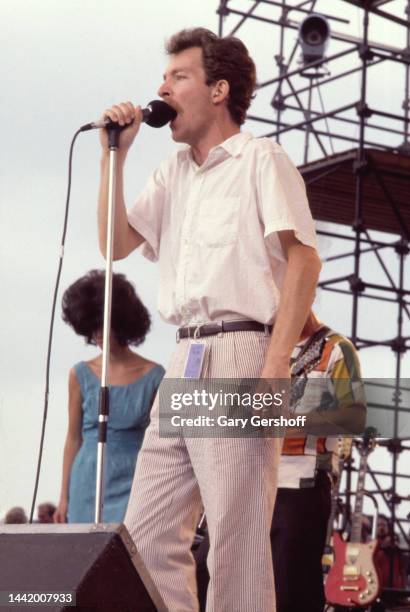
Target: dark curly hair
[223, 58]
[83, 308]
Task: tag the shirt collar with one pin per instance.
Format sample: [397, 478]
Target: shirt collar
[233, 146]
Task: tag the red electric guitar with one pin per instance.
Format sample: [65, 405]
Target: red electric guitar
[352, 580]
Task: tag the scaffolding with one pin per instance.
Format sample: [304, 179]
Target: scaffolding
[363, 189]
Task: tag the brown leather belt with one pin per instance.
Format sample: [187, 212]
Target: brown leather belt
[221, 327]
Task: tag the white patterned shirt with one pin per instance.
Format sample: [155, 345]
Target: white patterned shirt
[213, 229]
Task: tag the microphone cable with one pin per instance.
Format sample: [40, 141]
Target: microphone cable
[51, 329]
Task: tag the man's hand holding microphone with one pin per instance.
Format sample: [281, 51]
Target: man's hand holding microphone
[129, 118]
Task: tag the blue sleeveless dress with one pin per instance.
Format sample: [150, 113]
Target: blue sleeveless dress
[130, 406]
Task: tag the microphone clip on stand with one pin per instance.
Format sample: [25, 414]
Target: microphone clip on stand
[113, 131]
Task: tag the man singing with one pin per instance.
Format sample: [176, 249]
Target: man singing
[228, 221]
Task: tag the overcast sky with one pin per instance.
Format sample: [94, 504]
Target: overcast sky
[62, 64]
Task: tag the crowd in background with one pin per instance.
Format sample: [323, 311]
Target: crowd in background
[17, 514]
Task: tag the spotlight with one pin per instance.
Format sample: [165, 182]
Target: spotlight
[314, 34]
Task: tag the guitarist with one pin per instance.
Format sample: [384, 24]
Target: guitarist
[308, 464]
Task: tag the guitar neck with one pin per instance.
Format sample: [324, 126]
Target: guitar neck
[356, 534]
[333, 506]
[344, 451]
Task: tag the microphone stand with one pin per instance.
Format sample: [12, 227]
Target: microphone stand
[104, 404]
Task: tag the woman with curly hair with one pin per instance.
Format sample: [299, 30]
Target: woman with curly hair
[133, 382]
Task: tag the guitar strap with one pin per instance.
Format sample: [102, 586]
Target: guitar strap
[318, 339]
[308, 357]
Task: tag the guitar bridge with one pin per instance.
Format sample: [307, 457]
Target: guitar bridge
[349, 588]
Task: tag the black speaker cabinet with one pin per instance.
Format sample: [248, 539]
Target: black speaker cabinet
[99, 564]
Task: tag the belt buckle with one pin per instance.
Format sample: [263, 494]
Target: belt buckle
[178, 335]
[266, 330]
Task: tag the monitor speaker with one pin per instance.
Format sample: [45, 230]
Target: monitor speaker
[97, 563]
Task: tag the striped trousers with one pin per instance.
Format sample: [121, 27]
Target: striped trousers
[233, 479]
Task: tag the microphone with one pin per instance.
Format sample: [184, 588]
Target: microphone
[156, 114]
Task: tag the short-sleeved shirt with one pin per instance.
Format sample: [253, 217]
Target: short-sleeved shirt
[338, 373]
[213, 229]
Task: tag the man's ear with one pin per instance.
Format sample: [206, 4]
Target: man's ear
[220, 91]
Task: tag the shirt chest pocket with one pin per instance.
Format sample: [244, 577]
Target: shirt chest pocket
[218, 221]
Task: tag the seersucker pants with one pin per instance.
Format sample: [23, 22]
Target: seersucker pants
[234, 479]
